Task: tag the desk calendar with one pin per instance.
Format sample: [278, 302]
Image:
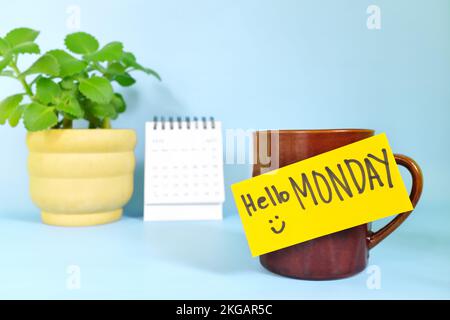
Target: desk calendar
[183, 169]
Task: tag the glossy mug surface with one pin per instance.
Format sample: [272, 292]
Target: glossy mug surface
[337, 255]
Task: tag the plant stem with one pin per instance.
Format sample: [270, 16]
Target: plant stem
[99, 67]
[22, 80]
[106, 124]
[34, 80]
[67, 123]
[58, 125]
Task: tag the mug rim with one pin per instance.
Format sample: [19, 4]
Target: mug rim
[334, 131]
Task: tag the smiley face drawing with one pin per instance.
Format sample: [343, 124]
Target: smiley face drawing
[280, 230]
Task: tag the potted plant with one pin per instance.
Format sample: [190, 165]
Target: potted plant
[78, 177]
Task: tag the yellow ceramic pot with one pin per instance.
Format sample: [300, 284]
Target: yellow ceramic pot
[81, 177]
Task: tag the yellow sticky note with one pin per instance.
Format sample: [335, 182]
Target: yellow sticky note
[333, 191]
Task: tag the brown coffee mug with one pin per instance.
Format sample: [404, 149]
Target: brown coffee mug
[337, 255]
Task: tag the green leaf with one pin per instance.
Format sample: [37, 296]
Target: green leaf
[15, 116]
[111, 52]
[47, 90]
[115, 69]
[39, 117]
[119, 103]
[47, 64]
[70, 117]
[125, 80]
[67, 84]
[4, 46]
[71, 106]
[8, 105]
[68, 64]
[151, 72]
[26, 47]
[20, 41]
[97, 89]
[5, 62]
[7, 73]
[81, 43]
[21, 35]
[104, 110]
[129, 60]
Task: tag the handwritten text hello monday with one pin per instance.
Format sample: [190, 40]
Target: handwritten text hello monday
[346, 180]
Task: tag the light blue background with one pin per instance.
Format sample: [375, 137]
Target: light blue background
[251, 64]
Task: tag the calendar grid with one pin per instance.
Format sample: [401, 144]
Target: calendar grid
[183, 165]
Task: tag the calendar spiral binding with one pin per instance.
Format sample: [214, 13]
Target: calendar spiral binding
[194, 123]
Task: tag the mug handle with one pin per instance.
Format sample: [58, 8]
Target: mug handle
[375, 238]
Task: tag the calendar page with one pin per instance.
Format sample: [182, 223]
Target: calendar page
[183, 170]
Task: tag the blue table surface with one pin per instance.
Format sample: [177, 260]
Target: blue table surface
[131, 259]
